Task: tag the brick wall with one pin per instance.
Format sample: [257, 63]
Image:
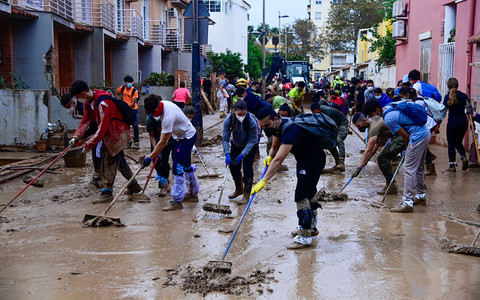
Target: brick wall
[65, 59]
[6, 43]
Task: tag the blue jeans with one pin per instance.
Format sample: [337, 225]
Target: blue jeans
[182, 154]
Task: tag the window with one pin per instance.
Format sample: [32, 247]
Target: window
[214, 5]
[318, 15]
[318, 2]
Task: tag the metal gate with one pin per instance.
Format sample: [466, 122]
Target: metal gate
[445, 65]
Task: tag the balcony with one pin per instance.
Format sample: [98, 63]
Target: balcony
[62, 8]
[204, 49]
[130, 23]
[154, 32]
[180, 4]
[173, 39]
[100, 14]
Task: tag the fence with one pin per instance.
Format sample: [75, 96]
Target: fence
[101, 14]
[130, 22]
[154, 32]
[63, 8]
[446, 61]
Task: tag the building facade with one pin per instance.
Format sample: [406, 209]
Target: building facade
[49, 44]
[230, 30]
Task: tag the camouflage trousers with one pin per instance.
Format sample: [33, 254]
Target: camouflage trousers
[341, 136]
[389, 152]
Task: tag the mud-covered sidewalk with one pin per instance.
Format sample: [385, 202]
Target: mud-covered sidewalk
[362, 252]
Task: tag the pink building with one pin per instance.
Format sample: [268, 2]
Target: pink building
[433, 36]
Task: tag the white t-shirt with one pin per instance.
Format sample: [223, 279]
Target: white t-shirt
[418, 86]
[175, 121]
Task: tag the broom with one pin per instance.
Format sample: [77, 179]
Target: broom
[218, 208]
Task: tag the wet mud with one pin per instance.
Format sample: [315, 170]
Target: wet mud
[37, 183]
[199, 280]
[451, 247]
[325, 196]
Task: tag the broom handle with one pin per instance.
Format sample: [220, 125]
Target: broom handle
[243, 216]
[149, 174]
[201, 159]
[223, 184]
[33, 180]
[393, 178]
[121, 191]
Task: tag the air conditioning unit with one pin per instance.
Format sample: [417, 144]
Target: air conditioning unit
[399, 30]
[399, 9]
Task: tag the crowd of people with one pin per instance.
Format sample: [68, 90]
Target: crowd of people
[399, 123]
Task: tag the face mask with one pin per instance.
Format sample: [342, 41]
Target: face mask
[378, 97]
[362, 129]
[71, 110]
[129, 85]
[240, 118]
[370, 88]
[269, 131]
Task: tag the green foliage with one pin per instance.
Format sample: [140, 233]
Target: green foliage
[451, 39]
[255, 60]
[17, 82]
[3, 83]
[385, 45]
[307, 40]
[346, 17]
[388, 9]
[104, 85]
[160, 79]
[225, 63]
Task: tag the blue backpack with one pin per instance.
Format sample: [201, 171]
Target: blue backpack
[322, 127]
[413, 111]
[430, 91]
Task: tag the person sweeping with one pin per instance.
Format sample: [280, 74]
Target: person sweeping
[240, 143]
[175, 124]
[289, 136]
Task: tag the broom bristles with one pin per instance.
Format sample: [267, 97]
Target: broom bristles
[217, 208]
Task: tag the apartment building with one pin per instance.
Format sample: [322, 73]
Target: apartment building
[51, 43]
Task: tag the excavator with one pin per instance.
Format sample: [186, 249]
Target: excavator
[291, 71]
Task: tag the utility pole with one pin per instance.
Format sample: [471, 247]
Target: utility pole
[196, 100]
[263, 41]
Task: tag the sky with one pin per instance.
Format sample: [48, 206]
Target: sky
[295, 9]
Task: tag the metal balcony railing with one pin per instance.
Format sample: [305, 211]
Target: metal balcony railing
[63, 8]
[204, 49]
[100, 13]
[173, 39]
[130, 23]
[154, 32]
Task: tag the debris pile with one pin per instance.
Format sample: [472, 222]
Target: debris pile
[450, 247]
[323, 195]
[196, 280]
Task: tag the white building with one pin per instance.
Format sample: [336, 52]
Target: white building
[230, 29]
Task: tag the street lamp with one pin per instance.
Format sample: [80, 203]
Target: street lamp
[279, 26]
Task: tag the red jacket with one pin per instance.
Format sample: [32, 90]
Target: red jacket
[107, 119]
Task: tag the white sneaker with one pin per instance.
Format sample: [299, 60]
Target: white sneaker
[303, 240]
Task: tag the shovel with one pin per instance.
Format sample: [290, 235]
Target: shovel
[222, 265]
[218, 208]
[91, 220]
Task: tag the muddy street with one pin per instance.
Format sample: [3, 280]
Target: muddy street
[362, 252]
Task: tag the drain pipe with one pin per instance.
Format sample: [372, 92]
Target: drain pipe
[470, 32]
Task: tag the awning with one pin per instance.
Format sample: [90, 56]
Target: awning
[23, 13]
[474, 39]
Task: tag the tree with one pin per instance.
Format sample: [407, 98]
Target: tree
[346, 18]
[255, 60]
[307, 39]
[385, 45]
[225, 63]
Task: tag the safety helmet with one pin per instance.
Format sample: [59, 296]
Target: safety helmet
[242, 82]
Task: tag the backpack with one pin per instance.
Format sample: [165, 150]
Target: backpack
[437, 109]
[321, 126]
[413, 111]
[430, 91]
[246, 123]
[123, 89]
[129, 115]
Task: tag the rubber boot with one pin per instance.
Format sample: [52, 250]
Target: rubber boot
[192, 185]
[341, 164]
[238, 189]
[452, 168]
[430, 170]
[105, 196]
[133, 188]
[246, 193]
[164, 186]
[464, 163]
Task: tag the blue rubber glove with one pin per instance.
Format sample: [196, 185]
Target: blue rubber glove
[147, 162]
[238, 160]
[228, 160]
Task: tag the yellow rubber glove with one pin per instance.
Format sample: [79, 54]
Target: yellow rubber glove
[260, 185]
[267, 161]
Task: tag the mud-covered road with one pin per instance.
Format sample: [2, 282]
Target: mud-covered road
[361, 252]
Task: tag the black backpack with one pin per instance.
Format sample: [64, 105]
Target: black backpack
[322, 128]
[129, 115]
[123, 89]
